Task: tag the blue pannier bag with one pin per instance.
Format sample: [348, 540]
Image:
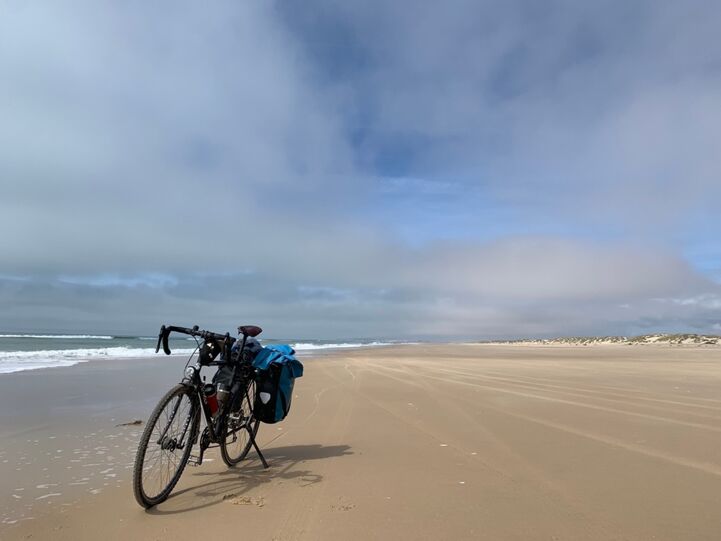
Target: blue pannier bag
[277, 369]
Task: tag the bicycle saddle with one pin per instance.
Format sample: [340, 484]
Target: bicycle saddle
[250, 330]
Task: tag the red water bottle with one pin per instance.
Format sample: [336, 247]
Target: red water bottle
[211, 397]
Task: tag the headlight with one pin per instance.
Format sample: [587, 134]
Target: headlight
[190, 372]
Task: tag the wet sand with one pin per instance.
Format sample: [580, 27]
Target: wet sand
[403, 442]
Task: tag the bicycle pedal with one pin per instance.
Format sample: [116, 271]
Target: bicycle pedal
[195, 460]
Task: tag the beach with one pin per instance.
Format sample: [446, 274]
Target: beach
[426, 441]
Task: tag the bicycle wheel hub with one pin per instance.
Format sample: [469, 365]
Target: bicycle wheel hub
[168, 444]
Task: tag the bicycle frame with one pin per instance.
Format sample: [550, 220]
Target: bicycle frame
[193, 380]
[216, 425]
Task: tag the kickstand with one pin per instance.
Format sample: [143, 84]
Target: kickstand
[255, 445]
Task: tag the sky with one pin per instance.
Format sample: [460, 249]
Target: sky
[408, 170]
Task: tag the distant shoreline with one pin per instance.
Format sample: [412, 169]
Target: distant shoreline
[643, 340]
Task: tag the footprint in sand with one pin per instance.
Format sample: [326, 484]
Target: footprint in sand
[342, 506]
[244, 500]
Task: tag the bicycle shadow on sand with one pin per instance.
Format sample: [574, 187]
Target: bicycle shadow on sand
[286, 464]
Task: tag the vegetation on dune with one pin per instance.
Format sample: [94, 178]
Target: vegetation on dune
[667, 339]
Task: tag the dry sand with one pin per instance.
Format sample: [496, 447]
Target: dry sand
[448, 442]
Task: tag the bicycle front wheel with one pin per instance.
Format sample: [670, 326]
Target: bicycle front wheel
[165, 445]
[238, 425]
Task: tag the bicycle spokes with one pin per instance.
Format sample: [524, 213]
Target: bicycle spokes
[165, 452]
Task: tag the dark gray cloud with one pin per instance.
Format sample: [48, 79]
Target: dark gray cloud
[360, 169]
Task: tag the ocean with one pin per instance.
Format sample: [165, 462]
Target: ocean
[19, 352]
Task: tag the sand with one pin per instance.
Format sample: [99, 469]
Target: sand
[407, 442]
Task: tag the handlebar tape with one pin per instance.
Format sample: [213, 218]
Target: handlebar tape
[160, 337]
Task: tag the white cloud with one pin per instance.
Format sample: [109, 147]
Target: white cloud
[179, 159]
[711, 301]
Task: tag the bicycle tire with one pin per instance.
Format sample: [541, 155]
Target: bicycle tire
[235, 445]
[168, 433]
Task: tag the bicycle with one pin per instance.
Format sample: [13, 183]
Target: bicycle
[173, 427]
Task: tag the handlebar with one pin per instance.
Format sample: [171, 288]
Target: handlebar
[212, 339]
[165, 331]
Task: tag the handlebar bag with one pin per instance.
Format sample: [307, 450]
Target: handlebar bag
[277, 369]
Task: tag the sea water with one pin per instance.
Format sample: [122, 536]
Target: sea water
[32, 351]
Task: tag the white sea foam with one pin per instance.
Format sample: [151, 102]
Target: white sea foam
[51, 495]
[65, 336]
[17, 361]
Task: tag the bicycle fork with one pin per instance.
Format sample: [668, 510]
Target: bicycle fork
[172, 444]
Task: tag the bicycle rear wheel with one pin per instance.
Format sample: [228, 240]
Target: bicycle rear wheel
[235, 445]
[165, 445]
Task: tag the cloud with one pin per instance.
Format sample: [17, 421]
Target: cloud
[518, 288]
[563, 108]
[363, 168]
[130, 129]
